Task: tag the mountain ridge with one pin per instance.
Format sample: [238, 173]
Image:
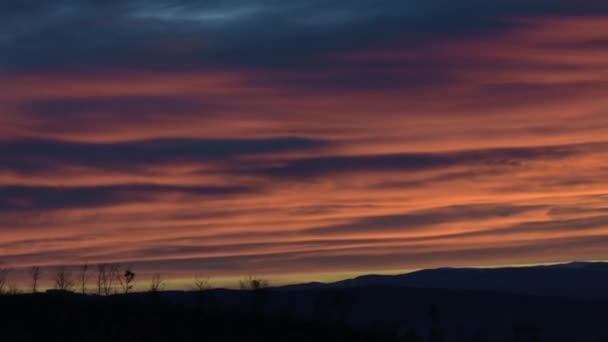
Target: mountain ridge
[578, 279]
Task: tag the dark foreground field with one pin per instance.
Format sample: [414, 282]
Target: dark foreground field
[69, 317]
[351, 314]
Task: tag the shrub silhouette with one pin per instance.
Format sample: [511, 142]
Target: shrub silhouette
[127, 280]
[201, 284]
[253, 283]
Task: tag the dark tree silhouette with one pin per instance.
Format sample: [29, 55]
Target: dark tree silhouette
[101, 276]
[114, 273]
[156, 283]
[4, 272]
[127, 280]
[253, 283]
[35, 273]
[202, 284]
[83, 278]
[106, 274]
[64, 280]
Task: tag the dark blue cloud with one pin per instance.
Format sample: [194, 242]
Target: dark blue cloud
[72, 108]
[31, 156]
[336, 165]
[40, 198]
[236, 34]
[89, 113]
[244, 157]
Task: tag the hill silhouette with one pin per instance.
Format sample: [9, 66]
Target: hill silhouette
[572, 280]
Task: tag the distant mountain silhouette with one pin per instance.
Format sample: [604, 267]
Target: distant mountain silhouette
[573, 280]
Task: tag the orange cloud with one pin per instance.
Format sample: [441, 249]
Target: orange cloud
[497, 159]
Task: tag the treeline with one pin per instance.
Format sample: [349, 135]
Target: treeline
[102, 279]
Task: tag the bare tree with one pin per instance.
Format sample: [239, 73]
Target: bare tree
[4, 272]
[253, 283]
[106, 274]
[83, 278]
[64, 280]
[35, 273]
[101, 275]
[113, 274]
[202, 284]
[127, 280]
[157, 283]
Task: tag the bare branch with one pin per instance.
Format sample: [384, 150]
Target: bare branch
[127, 280]
[101, 276]
[113, 274]
[202, 284]
[64, 280]
[253, 283]
[157, 283]
[83, 278]
[106, 274]
[35, 273]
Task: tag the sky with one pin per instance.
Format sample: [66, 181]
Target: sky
[302, 139]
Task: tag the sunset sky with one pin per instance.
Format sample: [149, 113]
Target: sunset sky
[307, 139]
